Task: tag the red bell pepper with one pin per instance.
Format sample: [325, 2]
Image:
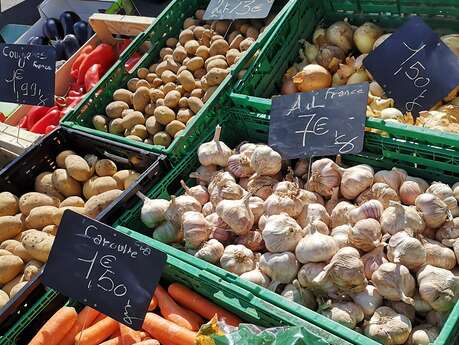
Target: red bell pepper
[132, 61]
[2, 117]
[23, 122]
[77, 62]
[123, 45]
[35, 114]
[103, 54]
[50, 128]
[51, 118]
[92, 77]
[73, 101]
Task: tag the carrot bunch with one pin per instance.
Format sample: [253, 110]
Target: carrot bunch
[181, 313]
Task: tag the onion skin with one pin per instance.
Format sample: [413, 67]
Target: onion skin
[288, 87]
[330, 57]
[365, 36]
[380, 40]
[340, 34]
[312, 77]
[452, 41]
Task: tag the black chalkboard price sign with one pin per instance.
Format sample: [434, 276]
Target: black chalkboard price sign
[319, 123]
[238, 9]
[414, 67]
[105, 269]
[27, 74]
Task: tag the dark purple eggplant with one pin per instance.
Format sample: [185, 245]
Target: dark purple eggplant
[60, 50]
[38, 40]
[67, 19]
[71, 45]
[52, 29]
[82, 31]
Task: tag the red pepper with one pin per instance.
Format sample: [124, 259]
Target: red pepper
[50, 128]
[2, 117]
[132, 61]
[76, 64]
[35, 114]
[74, 93]
[92, 76]
[73, 101]
[51, 118]
[23, 122]
[103, 54]
[123, 45]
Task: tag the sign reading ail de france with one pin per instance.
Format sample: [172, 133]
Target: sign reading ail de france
[237, 9]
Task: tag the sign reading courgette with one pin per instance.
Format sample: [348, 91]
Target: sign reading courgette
[237, 9]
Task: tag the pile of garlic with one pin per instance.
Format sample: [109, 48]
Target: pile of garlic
[376, 252]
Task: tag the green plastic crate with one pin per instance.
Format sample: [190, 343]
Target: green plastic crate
[264, 77]
[168, 24]
[246, 305]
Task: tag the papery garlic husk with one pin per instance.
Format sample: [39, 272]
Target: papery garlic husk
[237, 214]
[456, 190]
[444, 192]
[178, 206]
[384, 193]
[394, 282]
[207, 209]
[168, 232]
[237, 259]
[261, 186]
[365, 234]
[295, 293]
[256, 205]
[388, 327]
[214, 152]
[252, 240]
[423, 334]
[223, 187]
[420, 305]
[319, 199]
[409, 191]
[340, 214]
[448, 233]
[311, 213]
[211, 251]
[438, 255]
[347, 314]
[437, 318]
[406, 250]
[239, 165]
[280, 267]
[243, 182]
[438, 287]
[281, 233]
[372, 260]
[308, 272]
[265, 161]
[398, 218]
[315, 247]
[204, 174]
[198, 192]
[196, 229]
[301, 167]
[316, 226]
[153, 211]
[219, 229]
[280, 202]
[370, 209]
[403, 308]
[308, 197]
[220, 178]
[325, 176]
[368, 300]
[433, 210]
[256, 276]
[333, 201]
[247, 148]
[341, 235]
[345, 271]
[393, 178]
[355, 180]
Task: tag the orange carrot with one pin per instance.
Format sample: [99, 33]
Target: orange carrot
[149, 342]
[116, 334]
[97, 333]
[55, 329]
[98, 318]
[163, 330]
[153, 303]
[175, 313]
[128, 335]
[85, 318]
[195, 302]
[144, 335]
[112, 341]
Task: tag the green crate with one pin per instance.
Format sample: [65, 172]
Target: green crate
[264, 77]
[246, 305]
[168, 24]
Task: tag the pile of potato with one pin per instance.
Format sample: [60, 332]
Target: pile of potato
[29, 223]
[158, 104]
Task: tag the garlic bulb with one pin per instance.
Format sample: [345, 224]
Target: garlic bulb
[308, 272]
[196, 230]
[406, 250]
[308, 197]
[372, 260]
[295, 293]
[207, 209]
[345, 271]
[448, 233]
[444, 192]
[198, 192]
[438, 287]
[256, 205]
[394, 282]
[365, 234]
[384, 193]
[340, 214]
[280, 267]
[265, 161]
[237, 214]
[214, 152]
[211, 251]
[437, 318]
[341, 235]
[355, 180]
[393, 178]
[333, 201]
[281, 233]
[370, 209]
[315, 247]
[301, 168]
[345, 313]
[153, 211]
[403, 308]
[398, 218]
[178, 206]
[368, 300]
[280, 202]
[252, 240]
[257, 277]
[433, 210]
[204, 174]
[247, 149]
[388, 327]
[261, 186]
[409, 191]
[239, 165]
[325, 176]
[237, 259]
[223, 187]
[456, 250]
[420, 305]
[167, 232]
[311, 213]
[316, 226]
[423, 334]
[438, 255]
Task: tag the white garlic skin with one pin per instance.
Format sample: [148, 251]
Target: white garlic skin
[257, 277]
[348, 314]
[444, 192]
[295, 293]
[394, 282]
[280, 267]
[198, 192]
[313, 212]
[433, 210]
[341, 235]
[153, 211]
[398, 218]
[207, 209]
[355, 180]
[237, 214]
[340, 214]
[325, 176]
[214, 152]
[239, 165]
[178, 206]
[237, 259]
[365, 234]
[167, 232]
[423, 334]
[406, 250]
[370, 209]
[256, 205]
[281, 233]
[316, 247]
[438, 255]
[196, 229]
[448, 233]
[278, 203]
[393, 178]
[388, 327]
[409, 191]
[211, 251]
[265, 161]
[368, 300]
[372, 260]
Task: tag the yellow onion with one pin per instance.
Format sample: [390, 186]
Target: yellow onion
[312, 77]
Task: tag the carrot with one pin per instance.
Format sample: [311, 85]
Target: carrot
[175, 313]
[128, 335]
[163, 330]
[195, 302]
[55, 329]
[97, 333]
[153, 303]
[85, 318]
[144, 335]
[116, 334]
[98, 318]
[148, 342]
[113, 341]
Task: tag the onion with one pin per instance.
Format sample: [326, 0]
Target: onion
[288, 87]
[310, 52]
[340, 34]
[452, 41]
[330, 57]
[358, 77]
[319, 37]
[380, 40]
[376, 89]
[365, 37]
[312, 77]
[338, 80]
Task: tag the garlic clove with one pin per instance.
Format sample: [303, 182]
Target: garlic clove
[393, 178]
[252, 240]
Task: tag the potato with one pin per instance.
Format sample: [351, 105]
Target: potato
[195, 104]
[199, 73]
[77, 168]
[217, 63]
[152, 67]
[159, 102]
[216, 75]
[142, 72]
[189, 22]
[9, 204]
[132, 84]
[31, 268]
[174, 126]
[156, 94]
[105, 167]
[20, 236]
[116, 126]
[217, 37]
[4, 298]
[126, 113]
[123, 95]
[170, 86]
[252, 32]
[232, 56]
[98, 202]
[10, 267]
[132, 119]
[198, 31]
[44, 184]
[38, 244]
[114, 109]
[171, 42]
[30, 200]
[4, 252]
[142, 82]
[221, 26]
[98, 185]
[100, 122]
[218, 47]
[213, 58]
[179, 54]
[139, 131]
[191, 47]
[165, 51]
[151, 77]
[185, 36]
[12, 283]
[162, 138]
[17, 288]
[16, 248]
[121, 176]
[65, 184]
[57, 217]
[186, 79]
[149, 141]
[183, 115]
[72, 201]
[197, 93]
[203, 52]
[209, 92]
[60, 158]
[245, 44]
[152, 125]
[195, 63]
[40, 216]
[183, 102]
[164, 115]
[172, 98]
[161, 68]
[52, 228]
[236, 41]
[168, 77]
[141, 98]
[131, 179]
[172, 65]
[206, 37]
[149, 110]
